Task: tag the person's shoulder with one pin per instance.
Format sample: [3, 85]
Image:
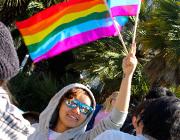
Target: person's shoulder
[118, 135]
[35, 125]
[109, 135]
[105, 135]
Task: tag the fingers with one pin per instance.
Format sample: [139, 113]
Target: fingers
[130, 58]
[133, 49]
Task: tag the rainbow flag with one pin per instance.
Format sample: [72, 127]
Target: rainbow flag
[65, 26]
[124, 7]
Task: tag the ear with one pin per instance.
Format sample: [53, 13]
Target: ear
[134, 121]
[137, 126]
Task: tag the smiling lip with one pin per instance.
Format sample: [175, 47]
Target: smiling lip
[72, 117]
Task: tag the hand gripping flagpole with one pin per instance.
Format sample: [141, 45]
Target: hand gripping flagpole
[136, 22]
[117, 28]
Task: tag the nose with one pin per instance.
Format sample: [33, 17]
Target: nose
[76, 110]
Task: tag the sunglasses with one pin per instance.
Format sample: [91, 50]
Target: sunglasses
[74, 103]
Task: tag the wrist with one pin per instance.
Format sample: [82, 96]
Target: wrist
[127, 75]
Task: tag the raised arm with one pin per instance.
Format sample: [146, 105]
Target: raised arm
[118, 115]
[129, 65]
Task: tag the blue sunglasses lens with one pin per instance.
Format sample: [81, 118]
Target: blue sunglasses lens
[84, 109]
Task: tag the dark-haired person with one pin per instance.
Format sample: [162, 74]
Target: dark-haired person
[70, 110]
[12, 124]
[158, 119]
[130, 125]
[154, 93]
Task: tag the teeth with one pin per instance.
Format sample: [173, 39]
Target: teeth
[73, 117]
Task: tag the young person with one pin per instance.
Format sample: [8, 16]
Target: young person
[102, 111]
[12, 125]
[158, 119]
[107, 107]
[69, 111]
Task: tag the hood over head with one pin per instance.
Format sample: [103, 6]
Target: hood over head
[47, 116]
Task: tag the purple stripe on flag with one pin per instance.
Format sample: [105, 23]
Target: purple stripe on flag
[128, 10]
[77, 40]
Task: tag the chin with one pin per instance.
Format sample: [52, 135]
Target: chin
[72, 125]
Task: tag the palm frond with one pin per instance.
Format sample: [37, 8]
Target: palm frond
[160, 36]
[11, 9]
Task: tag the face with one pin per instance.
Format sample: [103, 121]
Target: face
[72, 117]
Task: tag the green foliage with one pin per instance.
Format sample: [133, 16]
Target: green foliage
[162, 26]
[34, 7]
[159, 35]
[11, 9]
[140, 84]
[48, 3]
[176, 90]
[103, 59]
[33, 92]
[158, 49]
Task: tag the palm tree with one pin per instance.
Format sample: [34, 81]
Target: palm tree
[159, 35]
[10, 9]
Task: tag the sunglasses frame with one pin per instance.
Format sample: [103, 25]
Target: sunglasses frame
[79, 104]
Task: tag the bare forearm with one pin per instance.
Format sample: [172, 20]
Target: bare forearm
[129, 65]
[123, 98]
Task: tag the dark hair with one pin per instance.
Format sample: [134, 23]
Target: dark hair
[139, 109]
[70, 94]
[161, 118]
[156, 92]
[74, 91]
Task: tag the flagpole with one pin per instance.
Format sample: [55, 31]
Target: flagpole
[119, 35]
[136, 23]
[117, 29]
[24, 62]
[135, 29]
